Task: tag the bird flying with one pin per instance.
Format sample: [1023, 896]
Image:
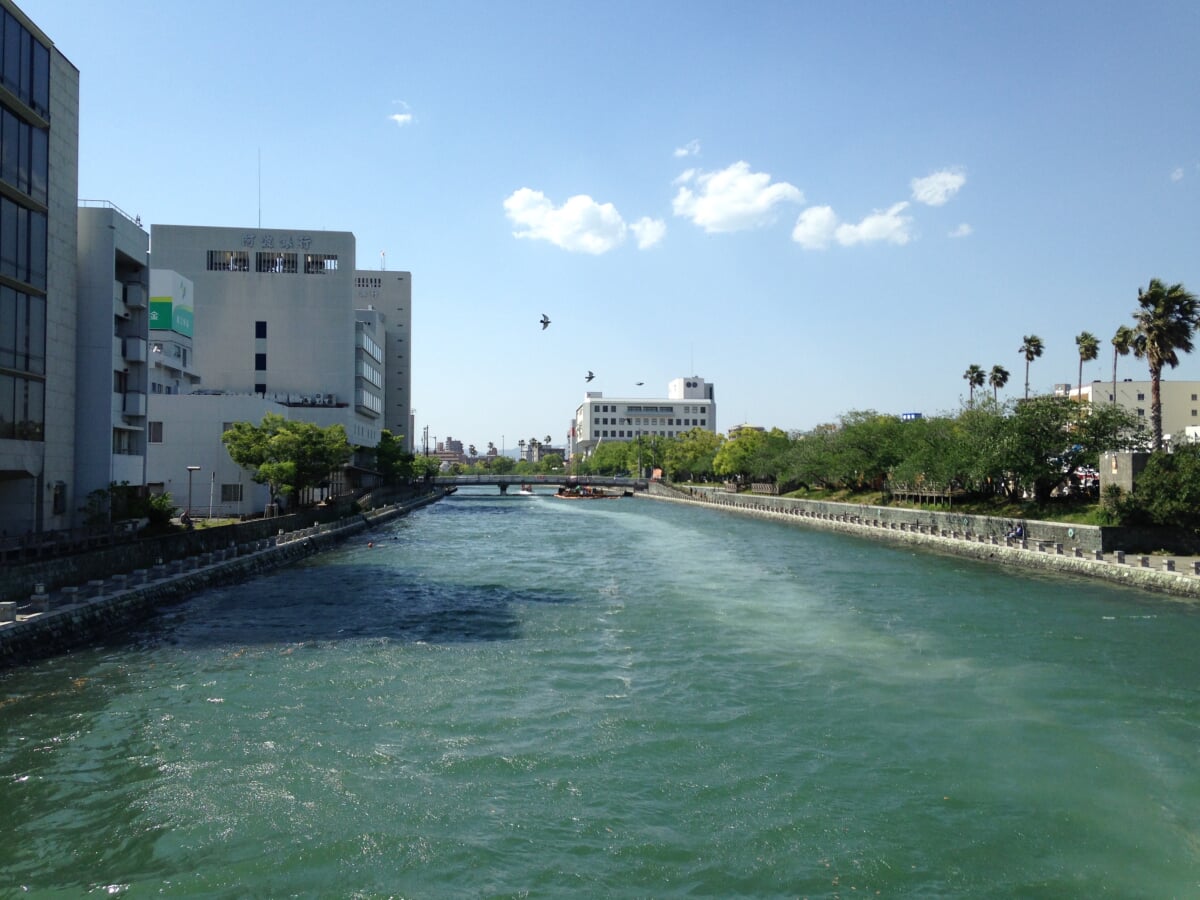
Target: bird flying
[640, 383]
[545, 321]
[589, 376]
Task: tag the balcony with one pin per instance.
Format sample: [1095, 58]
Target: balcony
[135, 296]
[135, 403]
[134, 349]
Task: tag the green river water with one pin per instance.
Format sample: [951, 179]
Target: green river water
[513, 697]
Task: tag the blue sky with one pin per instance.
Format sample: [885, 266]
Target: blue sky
[817, 207]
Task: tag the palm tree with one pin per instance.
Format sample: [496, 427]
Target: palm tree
[1089, 349]
[1031, 348]
[1166, 319]
[975, 377]
[1122, 342]
[998, 379]
[549, 440]
[471, 451]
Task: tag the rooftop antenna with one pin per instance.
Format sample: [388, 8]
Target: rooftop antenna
[260, 187]
[382, 260]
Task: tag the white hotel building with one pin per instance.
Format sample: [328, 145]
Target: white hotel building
[689, 404]
[271, 321]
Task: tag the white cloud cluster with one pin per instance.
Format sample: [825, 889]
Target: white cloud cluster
[581, 225]
[938, 188]
[733, 199]
[818, 225]
[1177, 173]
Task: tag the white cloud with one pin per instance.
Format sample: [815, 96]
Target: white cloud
[733, 199]
[936, 189]
[648, 232]
[1177, 174]
[580, 225]
[818, 225]
[815, 228]
[963, 230]
[882, 225]
[402, 118]
[691, 148]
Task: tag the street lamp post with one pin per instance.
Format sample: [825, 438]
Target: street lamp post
[190, 470]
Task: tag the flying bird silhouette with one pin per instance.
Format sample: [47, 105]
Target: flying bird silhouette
[589, 376]
[545, 321]
[640, 383]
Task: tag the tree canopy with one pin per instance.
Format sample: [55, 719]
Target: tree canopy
[287, 456]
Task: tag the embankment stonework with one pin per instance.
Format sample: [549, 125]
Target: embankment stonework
[1048, 546]
[58, 620]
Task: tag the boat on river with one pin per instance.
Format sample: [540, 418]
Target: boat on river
[585, 492]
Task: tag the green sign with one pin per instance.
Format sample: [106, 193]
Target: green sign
[166, 315]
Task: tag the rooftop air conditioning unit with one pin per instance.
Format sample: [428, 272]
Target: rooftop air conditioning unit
[330, 400]
[306, 400]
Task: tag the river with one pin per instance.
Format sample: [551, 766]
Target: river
[531, 697]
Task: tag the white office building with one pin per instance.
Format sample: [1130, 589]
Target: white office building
[690, 403]
[1180, 400]
[390, 293]
[271, 322]
[111, 351]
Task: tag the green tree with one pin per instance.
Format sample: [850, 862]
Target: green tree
[690, 455]
[735, 457]
[1167, 491]
[1089, 349]
[392, 461]
[287, 456]
[1031, 348]
[997, 379]
[1123, 341]
[1166, 320]
[975, 377]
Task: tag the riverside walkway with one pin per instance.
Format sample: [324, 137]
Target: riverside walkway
[1178, 576]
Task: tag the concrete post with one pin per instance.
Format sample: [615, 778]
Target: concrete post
[1169, 565]
[95, 587]
[1145, 562]
[1120, 557]
[70, 597]
[1099, 555]
[8, 611]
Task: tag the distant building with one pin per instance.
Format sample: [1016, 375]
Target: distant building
[689, 404]
[1180, 400]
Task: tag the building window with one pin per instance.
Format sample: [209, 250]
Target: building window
[1141, 412]
[154, 432]
[260, 362]
[231, 493]
[260, 330]
[260, 388]
[276, 263]
[1141, 396]
[320, 263]
[228, 261]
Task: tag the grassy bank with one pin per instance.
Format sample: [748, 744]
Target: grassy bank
[1072, 511]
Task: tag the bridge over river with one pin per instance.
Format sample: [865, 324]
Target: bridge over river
[536, 481]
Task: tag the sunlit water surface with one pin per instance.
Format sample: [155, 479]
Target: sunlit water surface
[509, 697]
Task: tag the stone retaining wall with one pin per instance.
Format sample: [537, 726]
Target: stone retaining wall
[77, 614]
[978, 537]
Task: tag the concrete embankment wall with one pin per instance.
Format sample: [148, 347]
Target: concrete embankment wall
[76, 615]
[1049, 546]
